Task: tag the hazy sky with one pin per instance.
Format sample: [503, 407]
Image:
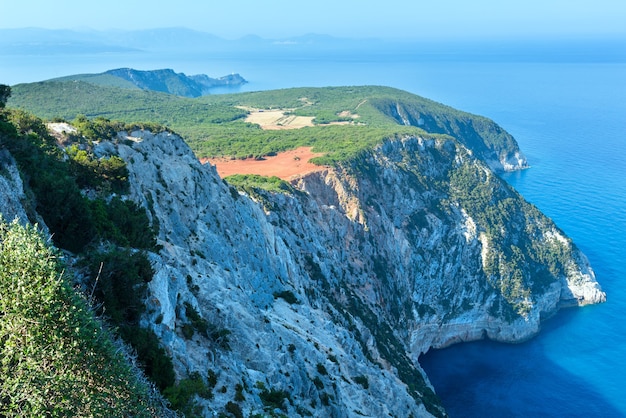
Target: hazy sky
[347, 18]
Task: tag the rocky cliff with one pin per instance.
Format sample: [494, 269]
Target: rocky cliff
[485, 138]
[319, 301]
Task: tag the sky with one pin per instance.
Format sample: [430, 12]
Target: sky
[275, 19]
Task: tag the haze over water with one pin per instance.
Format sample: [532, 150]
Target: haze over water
[569, 117]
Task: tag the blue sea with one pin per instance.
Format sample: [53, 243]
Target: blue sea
[569, 118]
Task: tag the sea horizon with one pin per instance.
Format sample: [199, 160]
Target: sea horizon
[567, 116]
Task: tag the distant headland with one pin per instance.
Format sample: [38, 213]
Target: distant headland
[163, 80]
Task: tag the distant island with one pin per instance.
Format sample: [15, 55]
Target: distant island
[164, 80]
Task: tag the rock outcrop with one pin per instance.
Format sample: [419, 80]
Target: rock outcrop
[320, 301]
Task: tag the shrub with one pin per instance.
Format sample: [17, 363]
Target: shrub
[274, 398]
[321, 369]
[120, 278]
[55, 358]
[197, 322]
[181, 395]
[234, 410]
[287, 296]
[239, 397]
[318, 382]
[120, 284]
[362, 380]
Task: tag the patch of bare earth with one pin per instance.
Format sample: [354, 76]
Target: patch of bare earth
[270, 119]
[278, 119]
[285, 165]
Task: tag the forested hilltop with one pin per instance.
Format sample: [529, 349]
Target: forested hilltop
[344, 120]
[308, 297]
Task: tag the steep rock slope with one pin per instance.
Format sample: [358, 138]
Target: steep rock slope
[320, 301]
[483, 136]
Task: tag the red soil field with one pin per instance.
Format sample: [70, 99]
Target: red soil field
[284, 165]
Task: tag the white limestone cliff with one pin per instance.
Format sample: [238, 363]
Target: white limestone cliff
[381, 271]
[326, 297]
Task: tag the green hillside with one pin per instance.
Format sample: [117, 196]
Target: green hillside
[55, 358]
[215, 125]
[103, 79]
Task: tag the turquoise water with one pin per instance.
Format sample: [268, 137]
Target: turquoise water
[570, 121]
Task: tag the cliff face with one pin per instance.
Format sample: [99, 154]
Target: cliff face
[484, 137]
[168, 81]
[324, 298]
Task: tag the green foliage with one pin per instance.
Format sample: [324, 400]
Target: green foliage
[318, 383]
[321, 369]
[363, 381]
[27, 123]
[126, 224]
[476, 132]
[181, 395]
[58, 198]
[101, 128]
[5, 93]
[274, 398]
[66, 99]
[249, 182]
[204, 328]
[234, 409]
[155, 361]
[120, 282]
[339, 142]
[521, 260]
[55, 359]
[56, 185]
[197, 322]
[287, 296]
[108, 173]
[213, 124]
[239, 396]
[120, 285]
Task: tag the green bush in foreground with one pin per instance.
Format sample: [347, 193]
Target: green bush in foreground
[55, 358]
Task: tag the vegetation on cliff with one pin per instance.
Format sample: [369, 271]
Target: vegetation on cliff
[214, 126]
[80, 198]
[56, 359]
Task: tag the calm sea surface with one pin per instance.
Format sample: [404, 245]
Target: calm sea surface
[570, 121]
